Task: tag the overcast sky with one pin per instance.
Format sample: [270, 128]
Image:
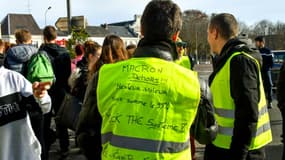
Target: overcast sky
[107, 11]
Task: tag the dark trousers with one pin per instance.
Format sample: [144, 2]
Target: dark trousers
[267, 83]
[37, 121]
[49, 135]
[283, 131]
[193, 149]
[214, 153]
[61, 133]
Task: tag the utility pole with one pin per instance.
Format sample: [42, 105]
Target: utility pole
[68, 16]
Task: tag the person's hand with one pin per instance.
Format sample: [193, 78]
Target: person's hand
[40, 88]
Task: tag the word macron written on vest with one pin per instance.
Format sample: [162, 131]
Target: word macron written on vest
[139, 76]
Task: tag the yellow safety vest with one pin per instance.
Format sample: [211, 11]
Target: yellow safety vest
[225, 110]
[147, 107]
[184, 61]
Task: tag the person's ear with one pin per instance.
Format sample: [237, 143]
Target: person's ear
[142, 31]
[175, 36]
[215, 33]
[45, 40]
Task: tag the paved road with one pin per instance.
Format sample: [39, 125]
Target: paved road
[273, 150]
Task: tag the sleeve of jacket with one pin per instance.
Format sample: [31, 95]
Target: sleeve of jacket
[244, 81]
[29, 101]
[89, 124]
[281, 88]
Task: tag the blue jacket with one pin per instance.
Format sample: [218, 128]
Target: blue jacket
[17, 56]
[267, 57]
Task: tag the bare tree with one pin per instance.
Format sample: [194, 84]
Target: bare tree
[194, 32]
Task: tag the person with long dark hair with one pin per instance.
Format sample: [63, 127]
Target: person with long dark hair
[78, 80]
[113, 50]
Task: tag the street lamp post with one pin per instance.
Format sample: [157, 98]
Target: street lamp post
[46, 14]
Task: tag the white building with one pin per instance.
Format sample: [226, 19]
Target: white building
[12, 22]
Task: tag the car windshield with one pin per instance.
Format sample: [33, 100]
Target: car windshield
[279, 57]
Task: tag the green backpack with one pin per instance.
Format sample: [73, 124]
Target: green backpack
[39, 68]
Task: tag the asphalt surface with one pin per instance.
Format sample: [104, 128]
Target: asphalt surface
[273, 150]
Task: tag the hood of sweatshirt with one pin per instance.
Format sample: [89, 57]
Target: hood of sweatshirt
[21, 53]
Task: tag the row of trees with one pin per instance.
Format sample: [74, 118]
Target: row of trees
[194, 32]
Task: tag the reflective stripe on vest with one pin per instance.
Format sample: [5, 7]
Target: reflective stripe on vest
[147, 106]
[231, 113]
[225, 110]
[144, 144]
[229, 131]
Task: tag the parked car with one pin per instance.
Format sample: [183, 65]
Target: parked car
[279, 57]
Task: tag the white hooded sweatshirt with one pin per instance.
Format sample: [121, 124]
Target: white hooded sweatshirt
[17, 139]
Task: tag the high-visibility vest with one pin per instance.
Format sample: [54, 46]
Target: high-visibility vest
[225, 109]
[147, 107]
[184, 61]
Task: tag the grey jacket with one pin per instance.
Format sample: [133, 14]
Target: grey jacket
[17, 56]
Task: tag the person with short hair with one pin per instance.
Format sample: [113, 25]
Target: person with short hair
[267, 64]
[143, 107]
[17, 56]
[238, 95]
[61, 61]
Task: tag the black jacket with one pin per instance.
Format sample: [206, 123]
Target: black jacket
[89, 124]
[80, 85]
[244, 86]
[61, 62]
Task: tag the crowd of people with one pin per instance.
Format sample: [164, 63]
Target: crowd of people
[139, 101]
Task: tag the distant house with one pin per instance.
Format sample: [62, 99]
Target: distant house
[128, 31]
[12, 22]
[134, 25]
[98, 33]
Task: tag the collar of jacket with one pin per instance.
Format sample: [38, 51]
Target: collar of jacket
[219, 61]
[159, 49]
[53, 49]
[2, 56]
